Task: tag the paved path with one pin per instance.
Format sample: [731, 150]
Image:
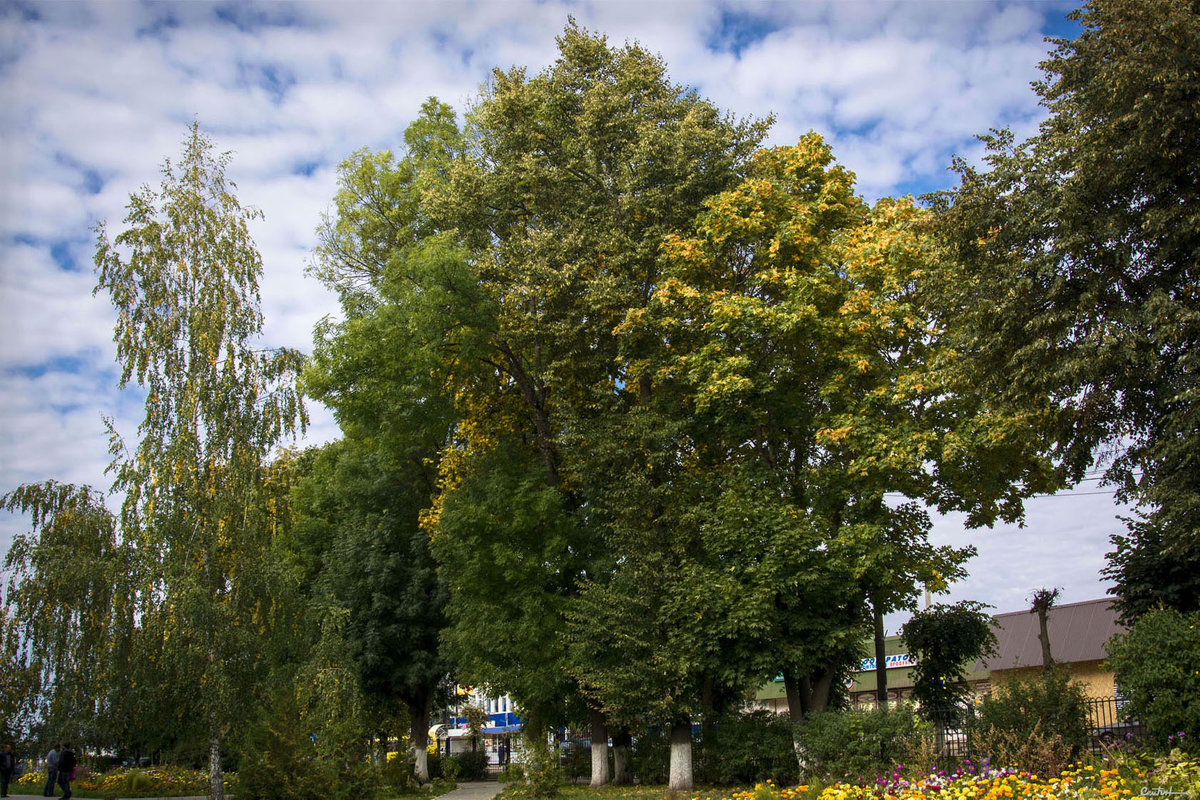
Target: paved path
[470, 790]
[474, 790]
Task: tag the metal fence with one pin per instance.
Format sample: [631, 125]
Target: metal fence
[956, 733]
[1110, 723]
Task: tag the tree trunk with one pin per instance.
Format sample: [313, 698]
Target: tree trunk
[1044, 637]
[681, 756]
[815, 690]
[216, 786]
[795, 701]
[600, 775]
[419, 733]
[622, 745]
[881, 695]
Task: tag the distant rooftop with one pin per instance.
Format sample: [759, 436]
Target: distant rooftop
[1078, 632]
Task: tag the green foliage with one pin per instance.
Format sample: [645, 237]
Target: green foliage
[361, 506]
[200, 505]
[650, 756]
[1151, 570]
[748, 748]
[279, 759]
[67, 597]
[853, 745]
[468, 766]
[541, 772]
[1034, 710]
[1076, 288]
[1156, 670]
[947, 639]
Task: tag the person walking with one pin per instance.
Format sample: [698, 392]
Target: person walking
[66, 769]
[51, 770]
[7, 765]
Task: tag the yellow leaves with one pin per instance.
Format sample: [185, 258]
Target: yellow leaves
[834, 435]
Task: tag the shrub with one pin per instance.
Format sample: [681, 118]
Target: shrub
[650, 756]
[471, 766]
[541, 774]
[281, 762]
[1027, 719]
[748, 748]
[1155, 665]
[847, 745]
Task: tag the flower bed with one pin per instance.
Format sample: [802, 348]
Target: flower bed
[150, 781]
[1172, 776]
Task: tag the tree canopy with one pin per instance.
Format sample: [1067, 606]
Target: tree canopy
[1076, 271]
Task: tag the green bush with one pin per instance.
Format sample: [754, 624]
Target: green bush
[852, 745]
[746, 749]
[541, 774]
[280, 761]
[398, 775]
[137, 782]
[469, 766]
[435, 765]
[650, 757]
[1036, 708]
[1156, 667]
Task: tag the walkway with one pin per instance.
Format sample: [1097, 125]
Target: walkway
[472, 790]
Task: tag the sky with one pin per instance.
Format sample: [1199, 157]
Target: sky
[93, 97]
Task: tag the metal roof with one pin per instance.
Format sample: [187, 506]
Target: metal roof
[1078, 632]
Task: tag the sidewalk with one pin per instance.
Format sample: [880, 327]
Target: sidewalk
[472, 790]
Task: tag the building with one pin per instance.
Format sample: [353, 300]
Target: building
[1078, 632]
[498, 739]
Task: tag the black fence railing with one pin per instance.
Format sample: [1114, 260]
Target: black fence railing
[1111, 723]
[955, 730]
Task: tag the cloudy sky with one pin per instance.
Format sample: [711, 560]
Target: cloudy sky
[93, 96]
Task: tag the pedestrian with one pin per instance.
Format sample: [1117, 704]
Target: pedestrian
[7, 765]
[51, 770]
[66, 769]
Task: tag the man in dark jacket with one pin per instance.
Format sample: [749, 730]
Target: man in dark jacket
[7, 765]
[66, 769]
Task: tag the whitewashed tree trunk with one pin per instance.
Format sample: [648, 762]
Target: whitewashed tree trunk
[419, 733]
[600, 774]
[681, 757]
[216, 786]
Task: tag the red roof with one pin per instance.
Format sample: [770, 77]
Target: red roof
[1078, 632]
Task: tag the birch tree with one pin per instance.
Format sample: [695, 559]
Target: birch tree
[183, 278]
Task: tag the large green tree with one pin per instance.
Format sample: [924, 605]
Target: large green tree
[793, 338]
[378, 568]
[183, 277]
[507, 258]
[1077, 273]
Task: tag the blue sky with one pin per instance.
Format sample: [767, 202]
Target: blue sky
[93, 96]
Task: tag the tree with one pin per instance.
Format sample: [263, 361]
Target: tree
[1077, 287]
[529, 238]
[407, 288]
[183, 277]
[379, 570]
[67, 600]
[1155, 668]
[1041, 603]
[794, 340]
[947, 639]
